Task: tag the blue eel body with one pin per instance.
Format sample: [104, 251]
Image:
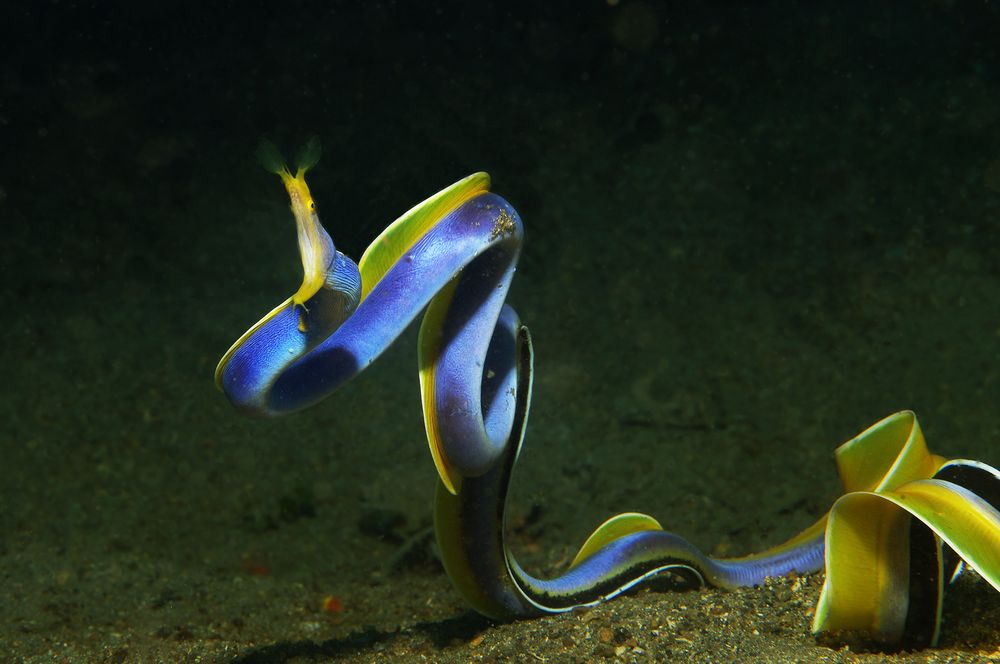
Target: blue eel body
[476, 371]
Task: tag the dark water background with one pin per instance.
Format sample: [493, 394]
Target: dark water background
[752, 230]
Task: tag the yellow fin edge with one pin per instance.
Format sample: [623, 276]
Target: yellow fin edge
[614, 528]
[428, 349]
[220, 367]
[403, 233]
[863, 586]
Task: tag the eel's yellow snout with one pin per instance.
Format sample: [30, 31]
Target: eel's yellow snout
[299, 196]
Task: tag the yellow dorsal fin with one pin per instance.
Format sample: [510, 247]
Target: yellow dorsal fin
[612, 529]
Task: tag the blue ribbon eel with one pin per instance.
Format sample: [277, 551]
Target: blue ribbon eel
[453, 257]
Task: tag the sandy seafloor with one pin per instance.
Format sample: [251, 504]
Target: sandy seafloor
[748, 238]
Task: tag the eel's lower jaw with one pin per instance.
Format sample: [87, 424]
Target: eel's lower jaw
[313, 280]
[318, 259]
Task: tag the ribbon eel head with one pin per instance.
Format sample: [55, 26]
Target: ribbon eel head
[329, 294]
[315, 246]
